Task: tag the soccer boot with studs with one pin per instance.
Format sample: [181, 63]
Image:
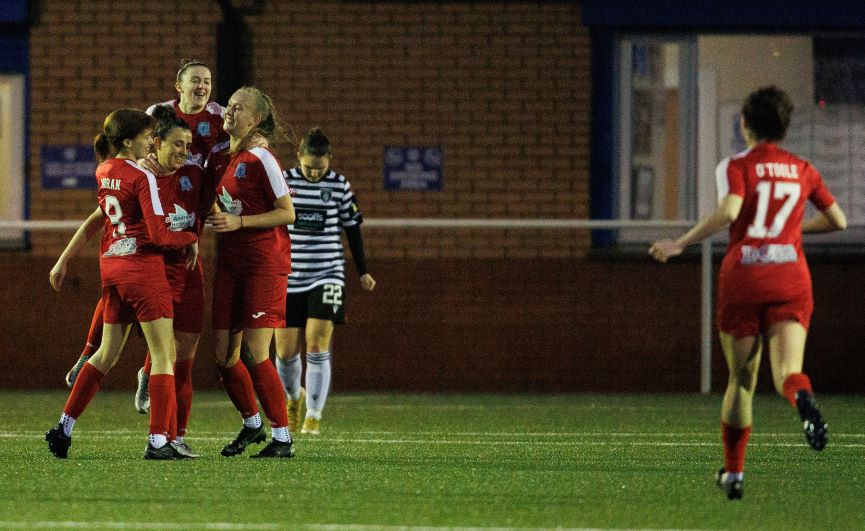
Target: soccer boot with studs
[58, 442]
[295, 410]
[246, 437]
[729, 484]
[816, 429]
[276, 449]
[142, 394]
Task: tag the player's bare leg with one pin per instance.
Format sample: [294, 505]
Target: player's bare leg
[787, 353]
[743, 361]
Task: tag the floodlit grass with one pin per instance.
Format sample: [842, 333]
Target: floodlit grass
[515, 462]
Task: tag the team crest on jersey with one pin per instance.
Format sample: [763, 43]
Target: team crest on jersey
[180, 219]
[229, 204]
[325, 194]
[185, 184]
[194, 158]
[240, 171]
[203, 128]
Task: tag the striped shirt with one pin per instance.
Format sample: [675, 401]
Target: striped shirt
[322, 209]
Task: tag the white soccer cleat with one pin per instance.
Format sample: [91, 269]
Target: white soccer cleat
[142, 394]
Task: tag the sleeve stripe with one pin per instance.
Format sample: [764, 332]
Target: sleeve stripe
[154, 190]
[274, 172]
[721, 182]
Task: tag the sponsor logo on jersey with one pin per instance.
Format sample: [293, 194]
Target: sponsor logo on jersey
[203, 128]
[772, 253]
[309, 219]
[185, 184]
[240, 171]
[123, 247]
[326, 194]
[229, 204]
[180, 219]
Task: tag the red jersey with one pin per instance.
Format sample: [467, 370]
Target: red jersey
[764, 259]
[186, 197]
[134, 226]
[206, 127]
[250, 182]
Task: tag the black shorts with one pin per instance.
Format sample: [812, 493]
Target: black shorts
[325, 302]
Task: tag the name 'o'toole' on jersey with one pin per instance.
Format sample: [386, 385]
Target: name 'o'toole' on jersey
[765, 250]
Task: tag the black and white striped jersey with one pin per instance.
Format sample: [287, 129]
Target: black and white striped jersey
[321, 209]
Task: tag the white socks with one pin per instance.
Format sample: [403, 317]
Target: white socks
[67, 422]
[280, 434]
[158, 440]
[317, 382]
[289, 373]
[253, 421]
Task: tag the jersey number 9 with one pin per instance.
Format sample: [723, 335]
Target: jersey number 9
[114, 213]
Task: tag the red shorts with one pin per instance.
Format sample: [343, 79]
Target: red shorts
[248, 300]
[127, 303]
[187, 294]
[751, 319]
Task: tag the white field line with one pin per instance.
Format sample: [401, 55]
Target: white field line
[580, 442]
[60, 524]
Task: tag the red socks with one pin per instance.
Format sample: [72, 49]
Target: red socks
[86, 386]
[735, 440]
[269, 388]
[94, 336]
[238, 387]
[183, 387]
[163, 403]
[147, 363]
[794, 383]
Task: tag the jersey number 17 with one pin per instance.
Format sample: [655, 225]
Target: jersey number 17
[766, 190]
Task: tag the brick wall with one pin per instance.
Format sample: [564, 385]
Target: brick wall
[501, 87]
[496, 325]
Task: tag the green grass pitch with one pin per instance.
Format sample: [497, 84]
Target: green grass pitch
[398, 461]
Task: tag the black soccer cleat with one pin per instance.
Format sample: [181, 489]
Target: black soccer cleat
[166, 453]
[58, 442]
[816, 429]
[276, 449]
[733, 487]
[246, 437]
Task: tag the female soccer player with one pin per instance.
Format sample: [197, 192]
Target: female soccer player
[188, 198]
[325, 205]
[252, 266]
[764, 287]
[204, 118]
[134, 287]
[193, 106]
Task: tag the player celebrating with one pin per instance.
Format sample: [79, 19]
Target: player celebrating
[134, 286]
[764, 286]
[204, 118]
[252, 266]
[325, 204]
[193, 106]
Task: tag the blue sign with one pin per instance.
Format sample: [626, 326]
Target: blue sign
[68, 167]
[413, 168]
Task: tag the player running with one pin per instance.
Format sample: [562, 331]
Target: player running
[764, 286]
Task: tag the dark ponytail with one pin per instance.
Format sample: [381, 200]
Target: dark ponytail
[118, 126]
[166, 120]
